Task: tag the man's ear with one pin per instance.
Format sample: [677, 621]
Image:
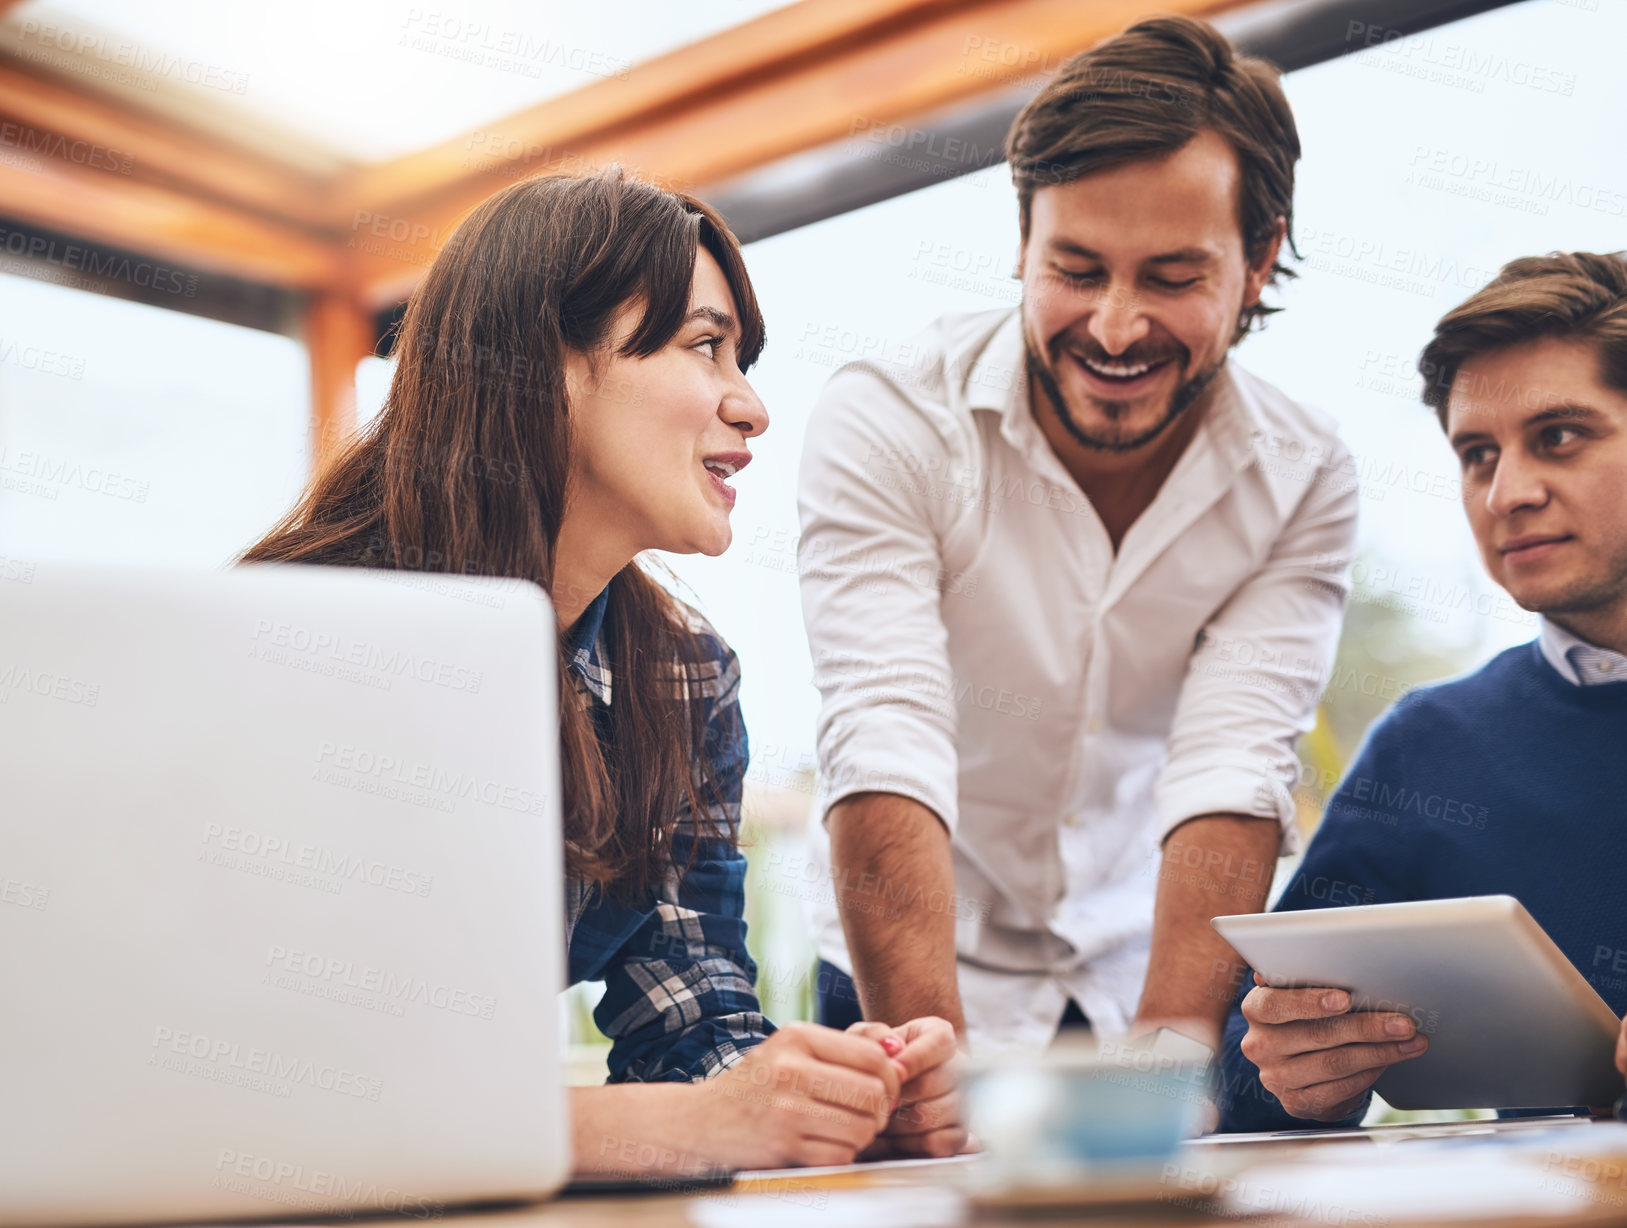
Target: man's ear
[1259, 269]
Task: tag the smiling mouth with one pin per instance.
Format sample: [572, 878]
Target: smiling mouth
[718, 472]
[1120, 373]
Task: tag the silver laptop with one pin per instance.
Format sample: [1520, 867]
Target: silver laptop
[280, 916]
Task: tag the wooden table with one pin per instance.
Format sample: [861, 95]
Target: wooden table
[812, 1198]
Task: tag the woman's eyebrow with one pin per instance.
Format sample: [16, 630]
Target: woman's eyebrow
[722, 319]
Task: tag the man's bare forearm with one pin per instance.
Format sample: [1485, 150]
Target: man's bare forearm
[895, 889]
[1212, 865]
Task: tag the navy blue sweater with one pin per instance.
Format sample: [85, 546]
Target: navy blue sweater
[1509, 781]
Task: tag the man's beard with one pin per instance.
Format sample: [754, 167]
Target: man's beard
[1180, 401]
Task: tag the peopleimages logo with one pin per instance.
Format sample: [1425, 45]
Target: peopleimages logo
[221, 1060]
[36, 473]
[17, 679]
[393, 988]
[351, 766]
[24, 895]
[274, 641]
[289, 1182]
[99, 265]
[242, 848]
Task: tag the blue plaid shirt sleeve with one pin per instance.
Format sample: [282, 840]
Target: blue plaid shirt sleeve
[679, 1002]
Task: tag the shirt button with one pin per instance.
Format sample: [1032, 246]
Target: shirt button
[1056, 913]
[1095, 725]
[1606, 666]
[1071, 819]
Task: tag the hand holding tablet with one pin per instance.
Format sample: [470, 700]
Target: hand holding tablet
[1316, 1054]
[1507, 1020]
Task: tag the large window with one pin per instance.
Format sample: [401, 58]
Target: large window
[133, 434]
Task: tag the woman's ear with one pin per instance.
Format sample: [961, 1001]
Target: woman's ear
[581, 377]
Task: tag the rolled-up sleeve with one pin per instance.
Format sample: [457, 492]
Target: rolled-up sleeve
[1258, 672]
[680, 1001]
[873, 497]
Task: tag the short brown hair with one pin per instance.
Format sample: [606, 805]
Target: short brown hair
[1580, 295]
[1144, 94]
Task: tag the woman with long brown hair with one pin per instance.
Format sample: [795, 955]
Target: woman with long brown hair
[570, 392]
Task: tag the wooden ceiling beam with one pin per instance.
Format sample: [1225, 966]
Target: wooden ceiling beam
[730, 104]
[43, 118]
[797, 35]
[196, 235]
[797, 78]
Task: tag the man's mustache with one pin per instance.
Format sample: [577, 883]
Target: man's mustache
[1135, 356]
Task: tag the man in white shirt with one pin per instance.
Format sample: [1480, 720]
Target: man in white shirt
[1073, 581]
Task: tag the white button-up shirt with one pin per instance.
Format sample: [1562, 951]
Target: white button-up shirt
[981, 648]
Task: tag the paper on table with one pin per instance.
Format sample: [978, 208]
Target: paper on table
[843, 1170]
[908, 1207]
[1475, 1186]
[1378, 1134]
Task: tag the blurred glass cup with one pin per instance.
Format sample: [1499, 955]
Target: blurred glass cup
[1087, 1110]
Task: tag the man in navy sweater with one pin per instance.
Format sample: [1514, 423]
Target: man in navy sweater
[1512, 779]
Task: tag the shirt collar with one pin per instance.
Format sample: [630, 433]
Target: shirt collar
[1578, 662]
[998, 379]
[583, 655]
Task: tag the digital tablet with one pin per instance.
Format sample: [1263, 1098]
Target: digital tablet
[1511, 1023]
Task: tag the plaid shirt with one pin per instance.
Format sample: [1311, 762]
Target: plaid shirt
[679, 1000]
